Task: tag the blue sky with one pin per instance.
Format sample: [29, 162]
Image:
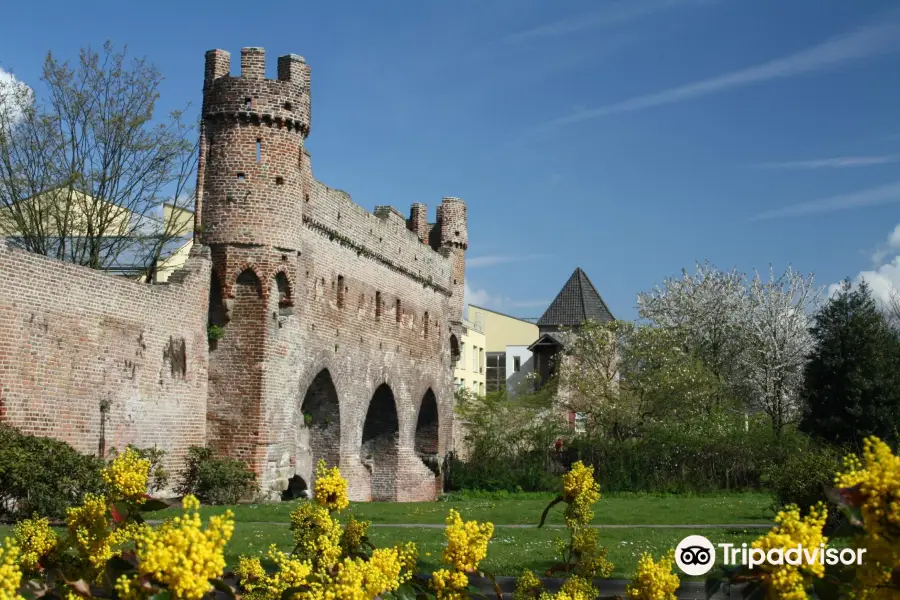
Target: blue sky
[630, 138]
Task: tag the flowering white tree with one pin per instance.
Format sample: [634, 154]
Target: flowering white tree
[706, 308]
[753, 336]
[775, 331]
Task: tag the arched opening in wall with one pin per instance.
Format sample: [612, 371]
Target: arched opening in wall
[426, 441]
[454, 349]
[297, 488]
[380, 443]
[321, 421]
[247, 285]
[285, 301]
[217, 317]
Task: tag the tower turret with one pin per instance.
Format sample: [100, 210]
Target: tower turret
[454, 241]
[252, 140]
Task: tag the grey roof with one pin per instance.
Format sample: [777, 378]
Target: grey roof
[576, 302]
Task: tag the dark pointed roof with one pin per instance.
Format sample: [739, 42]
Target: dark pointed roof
[576, 302]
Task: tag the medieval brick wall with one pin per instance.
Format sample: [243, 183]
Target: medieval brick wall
[337, 344]
[71, 337]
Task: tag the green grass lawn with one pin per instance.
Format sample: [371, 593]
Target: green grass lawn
[513, 550]
[519, 509]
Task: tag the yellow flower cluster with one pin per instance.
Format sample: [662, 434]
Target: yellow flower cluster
[354, 532]
[878, 478]
[528, 586]
[330, 489]
[786, 581]
[574, 588]
[591, 557]
[466, 542]
[359, 579]
[10, 573]
[126, 477]
[181, 555]
[89, 531]
[262, 586]
[317, 536]
[580, 492]
[654, 580]
[449, 585]
[35, 540]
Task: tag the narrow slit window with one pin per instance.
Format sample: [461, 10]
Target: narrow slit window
[426, 324]
[258, 150]
[399, 310]
[241, 177]
[279, 180]
[340, 291]
[377, 305]
[248, 103]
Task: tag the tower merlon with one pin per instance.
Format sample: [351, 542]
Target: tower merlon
[418, 221]
[218, 64]
[253, 63]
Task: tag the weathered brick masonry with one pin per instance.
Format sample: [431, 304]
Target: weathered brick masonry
[340, 326]
[71, 337]
[338, 322]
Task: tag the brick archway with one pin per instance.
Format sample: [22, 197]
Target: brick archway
[321, 420]
[427, 425]
[380, 443]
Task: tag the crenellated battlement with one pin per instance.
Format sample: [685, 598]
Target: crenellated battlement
[250, 96]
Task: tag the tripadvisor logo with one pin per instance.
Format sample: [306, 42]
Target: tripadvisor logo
[695, 555]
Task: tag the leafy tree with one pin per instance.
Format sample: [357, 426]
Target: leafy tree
[85, 168]
[851, 381]
[622, 376]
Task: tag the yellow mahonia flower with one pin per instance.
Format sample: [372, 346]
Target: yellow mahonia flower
[449, 585]
[330, 489]
[181, 554]
[527, 586]
[654, 580]
[580, 492]
[409, 556]
[35, 540]
[10, 573]
[878, 478]
[317, 537]
[260, 585]
[789, 582]
[249, 569]
[89, 530]
[354, 532]
[358, 579]
[126, 477]
[466, 542]
[577, 588]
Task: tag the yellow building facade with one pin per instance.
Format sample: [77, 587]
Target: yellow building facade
[507, 358]
[469, 372]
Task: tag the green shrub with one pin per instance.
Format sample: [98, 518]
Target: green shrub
[801, 477]
[43, 476]
[215, 480]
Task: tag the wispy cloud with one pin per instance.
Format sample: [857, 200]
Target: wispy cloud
[481, 297]
[840, 162]
[500, 259]
[884, 194]
[614, 14]
[864, 42]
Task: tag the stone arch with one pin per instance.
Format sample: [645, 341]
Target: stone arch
[427, 425]
[244, 271]
[320, 425]
[380, 443]
[284, 294]
[218, 316]
[454, 348]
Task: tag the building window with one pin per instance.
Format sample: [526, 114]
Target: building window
[580, 422]
[481, 388]
[474, 359]
[462, 385]
[481, 362]
[462, 356]
[517, 363]
[496, 371]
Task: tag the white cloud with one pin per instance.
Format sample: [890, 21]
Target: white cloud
[883, 194]
[841, 162]
[9, 85]
[614, 14]
[481, 297]
[864, 42]
[499, 259]
[885, 275]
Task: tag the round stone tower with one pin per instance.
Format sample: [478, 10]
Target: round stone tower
[251, 150]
